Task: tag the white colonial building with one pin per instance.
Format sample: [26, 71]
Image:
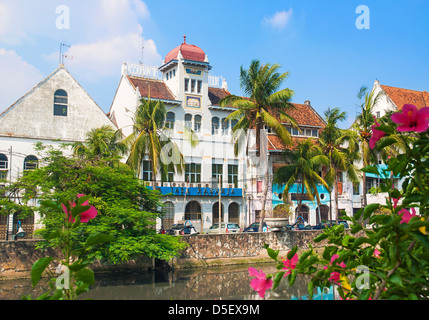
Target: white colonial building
[56, 111]
[191, 96]
[391, 99]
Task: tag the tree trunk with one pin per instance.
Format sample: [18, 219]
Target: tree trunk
[264, 201]
[336, 197]
[365, 199]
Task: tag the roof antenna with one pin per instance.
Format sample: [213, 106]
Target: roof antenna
[141, 61]
[61, 52]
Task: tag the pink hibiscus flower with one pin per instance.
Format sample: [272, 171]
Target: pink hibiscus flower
[290, 264]
[376, 134]
[407, 215]
[260, 283]
[85, 216]
[335, 276]
[376, 253]
[411, 119]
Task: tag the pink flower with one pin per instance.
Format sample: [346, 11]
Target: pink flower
[376, 253]
[407, 215]
[335, 276]
[85, 216]
[395, 202]
[376, 134]
[290, 264]
[260, 283]
[411, 119]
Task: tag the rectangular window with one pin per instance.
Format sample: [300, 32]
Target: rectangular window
[217, 171]
[186, 85]
[192, 86]
[174, 72]
[308, 132]
[233, 175]
[200, 85]
[295, 132]
[168, 176]
[193, 173]
[147, 170]
[315, 133]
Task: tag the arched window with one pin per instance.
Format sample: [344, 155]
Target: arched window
[170, 119]
[225, 126]
[322, 213]
[31, 163]
[303, 212]
[4, 165]
[234, 212]
[198, 122]
[215, 212]
[168, 218]
[188, 121]
[193, 211]
[233, 124]
[60, 103]
[215, 125]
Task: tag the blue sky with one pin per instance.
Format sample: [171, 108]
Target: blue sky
[318, 42]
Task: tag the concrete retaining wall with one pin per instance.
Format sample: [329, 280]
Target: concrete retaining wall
[17, 257]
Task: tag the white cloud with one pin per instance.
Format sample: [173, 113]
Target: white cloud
[17, 78]
[105, 57]
[279, 20]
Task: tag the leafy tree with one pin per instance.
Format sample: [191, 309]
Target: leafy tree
[104, 142]
[265, 105]
[362, 126]
[151, 138]
[340, 148]
[304, 163]
[127, 209]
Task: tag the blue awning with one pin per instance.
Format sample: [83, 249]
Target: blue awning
[384, 173]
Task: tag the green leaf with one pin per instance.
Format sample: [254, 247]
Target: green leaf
[291, 253]
[321, 237]
[38, 268]
[86, 276]
[370, 169]
[292, 277]
[100, 238]
[396, 279]
[310, 288]
[345, 241]
[277, 279]
[369, 209]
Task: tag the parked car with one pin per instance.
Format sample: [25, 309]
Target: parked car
[326, 224]
[230, 228]
[254, 227]
[181, 229]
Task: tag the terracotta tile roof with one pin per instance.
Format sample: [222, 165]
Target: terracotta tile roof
[156, 88]
[401, 96]
[275, 143]
[305, 115]
[217, 94]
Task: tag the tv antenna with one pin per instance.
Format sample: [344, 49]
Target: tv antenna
[141, 61]
[61, 52]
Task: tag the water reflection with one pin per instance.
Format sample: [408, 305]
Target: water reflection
[226, 283]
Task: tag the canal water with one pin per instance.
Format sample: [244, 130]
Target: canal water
[223, 283]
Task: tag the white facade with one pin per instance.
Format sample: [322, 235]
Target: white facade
[185, 90]
[58, 110]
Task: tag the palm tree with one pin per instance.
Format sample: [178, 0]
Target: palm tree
[362, 126]
[103, 142]
[340, 148]
[304, 163]
[264, 105]
[151, 138]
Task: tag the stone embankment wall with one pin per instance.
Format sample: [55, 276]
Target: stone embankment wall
[238, 248]
[17, 257]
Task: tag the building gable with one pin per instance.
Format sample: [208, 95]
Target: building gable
[58, 108]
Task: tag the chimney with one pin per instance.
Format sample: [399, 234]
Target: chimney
[224, 84]
[124, 70]
[307, 103]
